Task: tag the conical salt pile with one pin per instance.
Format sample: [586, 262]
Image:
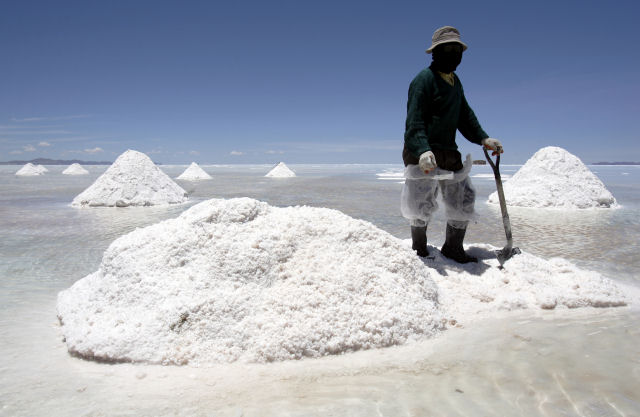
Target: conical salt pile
[75, 169]
[554, 178]
[42, 168]
[194, 173]
[29, 170]
[281, 171]
[132, 180]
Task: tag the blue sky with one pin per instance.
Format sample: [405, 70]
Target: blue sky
[308, 82]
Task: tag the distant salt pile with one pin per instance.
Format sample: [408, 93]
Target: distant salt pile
[554, 178]
[241, 280]
[393, 175]
[42, 168]
[194, 173]
[281, 171]
[132, 180]
[29, 170]
[75, 169]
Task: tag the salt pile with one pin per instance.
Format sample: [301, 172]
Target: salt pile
[29, 170]
[554, 178]
[194, 172]
[241, 280]
[132, 180]
[281, 171]
[468, 292]
[42, 168]
[75, 169]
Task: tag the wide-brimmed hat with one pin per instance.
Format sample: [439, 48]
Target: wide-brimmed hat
[445, 34]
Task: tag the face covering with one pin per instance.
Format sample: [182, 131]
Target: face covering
[447, 57]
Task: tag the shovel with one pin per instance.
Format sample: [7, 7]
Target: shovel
[508, 251]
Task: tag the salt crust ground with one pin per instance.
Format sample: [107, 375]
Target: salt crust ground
[241, 280]
[194, 173]
[281, 171]
[30, 170]
[75, 169]
[132, 180]
[554, 178]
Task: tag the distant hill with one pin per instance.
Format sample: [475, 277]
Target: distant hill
[616, 163]
[46, 161]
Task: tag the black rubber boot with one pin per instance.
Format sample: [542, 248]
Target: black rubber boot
[452, 247]
[419, 238]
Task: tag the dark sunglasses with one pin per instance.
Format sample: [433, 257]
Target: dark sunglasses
[451, 47]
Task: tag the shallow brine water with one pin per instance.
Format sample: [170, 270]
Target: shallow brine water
[564, 362]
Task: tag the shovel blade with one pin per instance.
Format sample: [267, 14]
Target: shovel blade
[506, 253]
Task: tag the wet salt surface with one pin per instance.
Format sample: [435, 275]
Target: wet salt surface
[554, 363]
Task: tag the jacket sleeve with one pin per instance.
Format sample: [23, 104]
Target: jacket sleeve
[468, 124]
[415, 135]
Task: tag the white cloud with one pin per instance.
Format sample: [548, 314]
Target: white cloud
[35, 132]
[270, 152]
[94, 150]
[42, 119]
[28, 148]
[236, 153]
[43, 143]
[194, 153]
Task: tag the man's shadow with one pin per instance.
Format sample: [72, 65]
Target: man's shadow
[435, 260]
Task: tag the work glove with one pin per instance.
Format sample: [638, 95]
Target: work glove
[427, 162]
[492, 144]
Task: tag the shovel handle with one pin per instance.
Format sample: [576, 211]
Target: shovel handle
[496, 166]
[503, 204]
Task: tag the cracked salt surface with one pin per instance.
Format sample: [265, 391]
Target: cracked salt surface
[240, 280]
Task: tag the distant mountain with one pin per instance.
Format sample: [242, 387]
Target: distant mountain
[616, 163]
[46, 161]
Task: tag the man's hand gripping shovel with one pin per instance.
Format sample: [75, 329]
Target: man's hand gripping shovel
[508, 251]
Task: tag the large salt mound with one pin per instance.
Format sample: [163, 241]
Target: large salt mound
[75, 169]
[241, 280]
[280, 171]
[132, 180]
[42, 168]
[554, 178]
[194, 172]
[29, 170]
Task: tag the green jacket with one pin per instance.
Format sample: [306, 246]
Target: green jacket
[435, 110]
